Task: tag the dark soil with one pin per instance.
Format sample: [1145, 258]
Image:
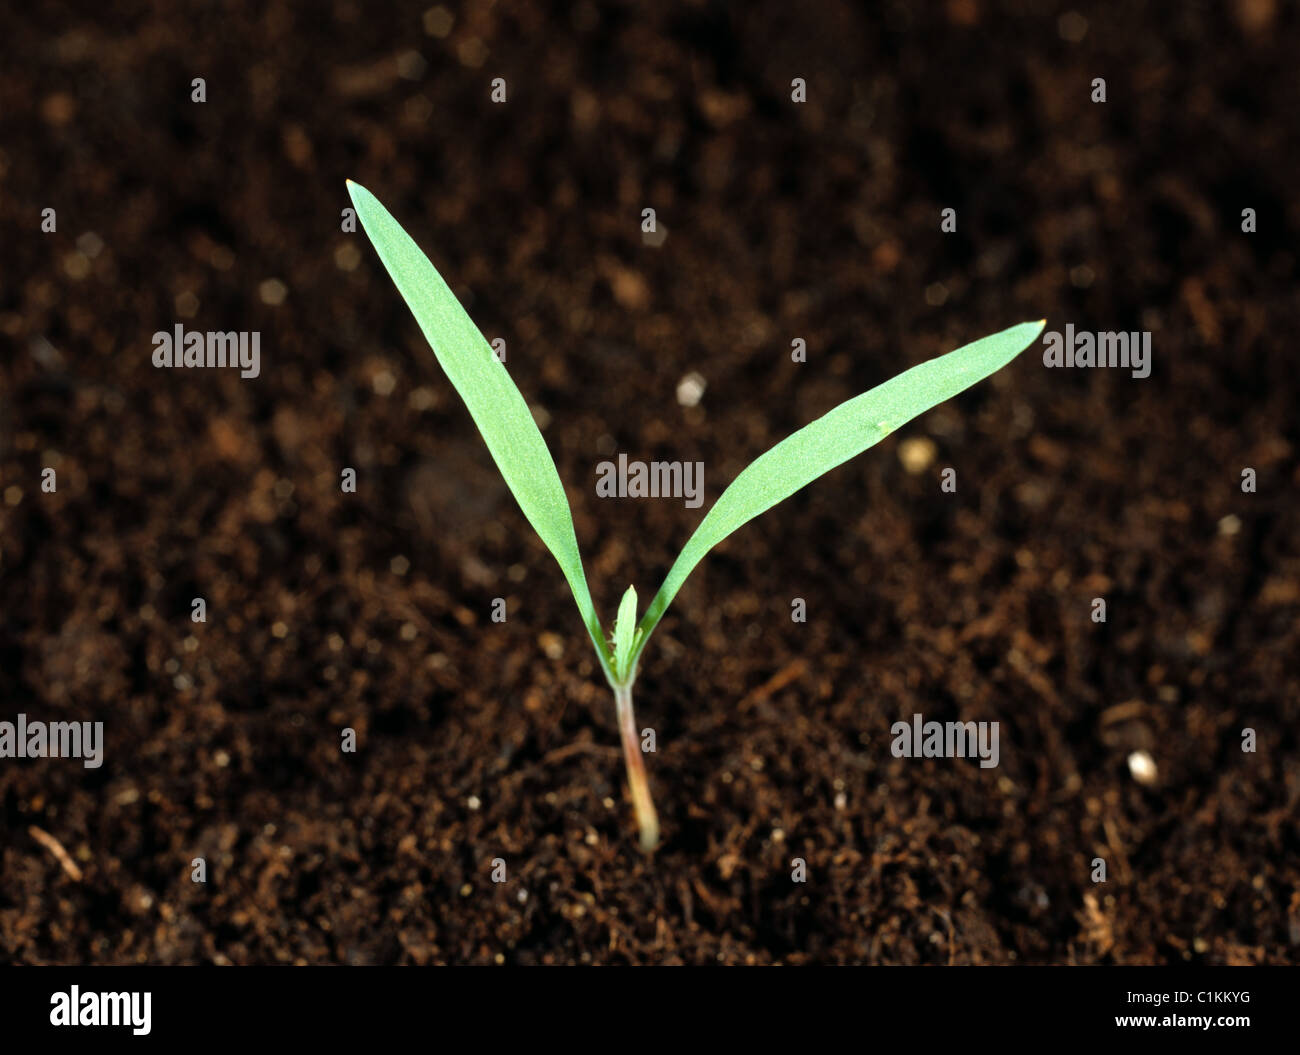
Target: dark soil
[479, 740]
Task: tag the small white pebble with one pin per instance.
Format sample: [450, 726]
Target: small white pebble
[1230, 524]
[473, 802]
[690, 389]
[1142, 767]
[917, 453]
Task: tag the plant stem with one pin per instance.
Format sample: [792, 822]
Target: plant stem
[646, 818]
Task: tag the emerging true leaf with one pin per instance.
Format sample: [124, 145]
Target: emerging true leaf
[624, 634]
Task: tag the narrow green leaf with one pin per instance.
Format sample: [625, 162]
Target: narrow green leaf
[624, 634]
[499, 411]
[832, 439]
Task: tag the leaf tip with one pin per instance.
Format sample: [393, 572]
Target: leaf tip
[354, 189]
[1037, 327]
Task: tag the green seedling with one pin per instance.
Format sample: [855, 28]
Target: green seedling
[521, 454]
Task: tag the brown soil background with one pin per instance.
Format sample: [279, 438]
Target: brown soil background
[371, 610]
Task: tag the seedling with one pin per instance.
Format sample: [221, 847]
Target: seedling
[521, 454]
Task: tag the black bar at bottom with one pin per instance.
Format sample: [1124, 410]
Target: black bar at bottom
[76, 1007]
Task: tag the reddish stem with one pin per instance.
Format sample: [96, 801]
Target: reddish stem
[646, 818]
